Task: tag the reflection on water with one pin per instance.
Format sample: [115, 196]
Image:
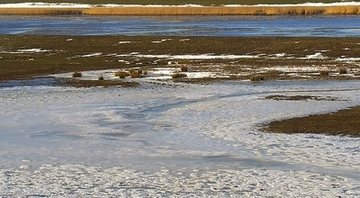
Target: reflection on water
[322, 26]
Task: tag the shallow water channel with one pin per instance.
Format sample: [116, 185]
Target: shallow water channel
[319, 26]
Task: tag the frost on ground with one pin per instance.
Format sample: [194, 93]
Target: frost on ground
[172, 140]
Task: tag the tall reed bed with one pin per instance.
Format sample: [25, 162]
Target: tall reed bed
[205, 10]
[214, 10]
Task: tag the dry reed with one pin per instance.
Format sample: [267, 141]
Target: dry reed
[205, 10]
[215, 10]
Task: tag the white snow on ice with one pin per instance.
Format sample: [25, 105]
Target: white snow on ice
[188, 56]
[20, 51]
[176, 140]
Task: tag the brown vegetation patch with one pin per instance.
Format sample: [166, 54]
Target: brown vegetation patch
[302, 97]
[220, 10]
[179, 75]
[63, 54]
[344, 122]
[204, 10]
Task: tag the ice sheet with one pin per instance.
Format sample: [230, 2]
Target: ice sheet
[173, 140]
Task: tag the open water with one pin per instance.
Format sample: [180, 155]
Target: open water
[319, 26]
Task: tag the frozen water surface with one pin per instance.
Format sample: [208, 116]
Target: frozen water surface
[183, 140]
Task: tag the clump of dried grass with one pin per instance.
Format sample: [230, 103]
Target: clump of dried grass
[184, 68]
[135, 73]
[77, 74]
[324, 73]
[178, 75]
[122, 74]
[257, 78]
[342, 70]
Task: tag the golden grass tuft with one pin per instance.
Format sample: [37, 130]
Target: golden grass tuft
[324, 73]
[205, 10]
[178, 75]
[135, 73]
[77, 75]
[257, 78]
[342, 70]
[184, 68]
[122, 74]
[219, 10]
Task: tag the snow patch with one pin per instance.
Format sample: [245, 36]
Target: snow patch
[315, 56]
[91, 55]
[124, 42]
[189, 56]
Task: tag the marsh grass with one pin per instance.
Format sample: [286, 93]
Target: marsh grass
[342, 70]
[205, 10]
[257, 78]
[211, 10]
[77, 74]
[303, 97]
[178, 75]
[344, 122]
[184, 68]
[135, 73]
[324, 73]
[122, 74]
[63, 55]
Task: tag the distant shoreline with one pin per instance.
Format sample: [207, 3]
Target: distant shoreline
[111, 9]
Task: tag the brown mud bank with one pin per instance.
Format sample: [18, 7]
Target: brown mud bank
[179, 10]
